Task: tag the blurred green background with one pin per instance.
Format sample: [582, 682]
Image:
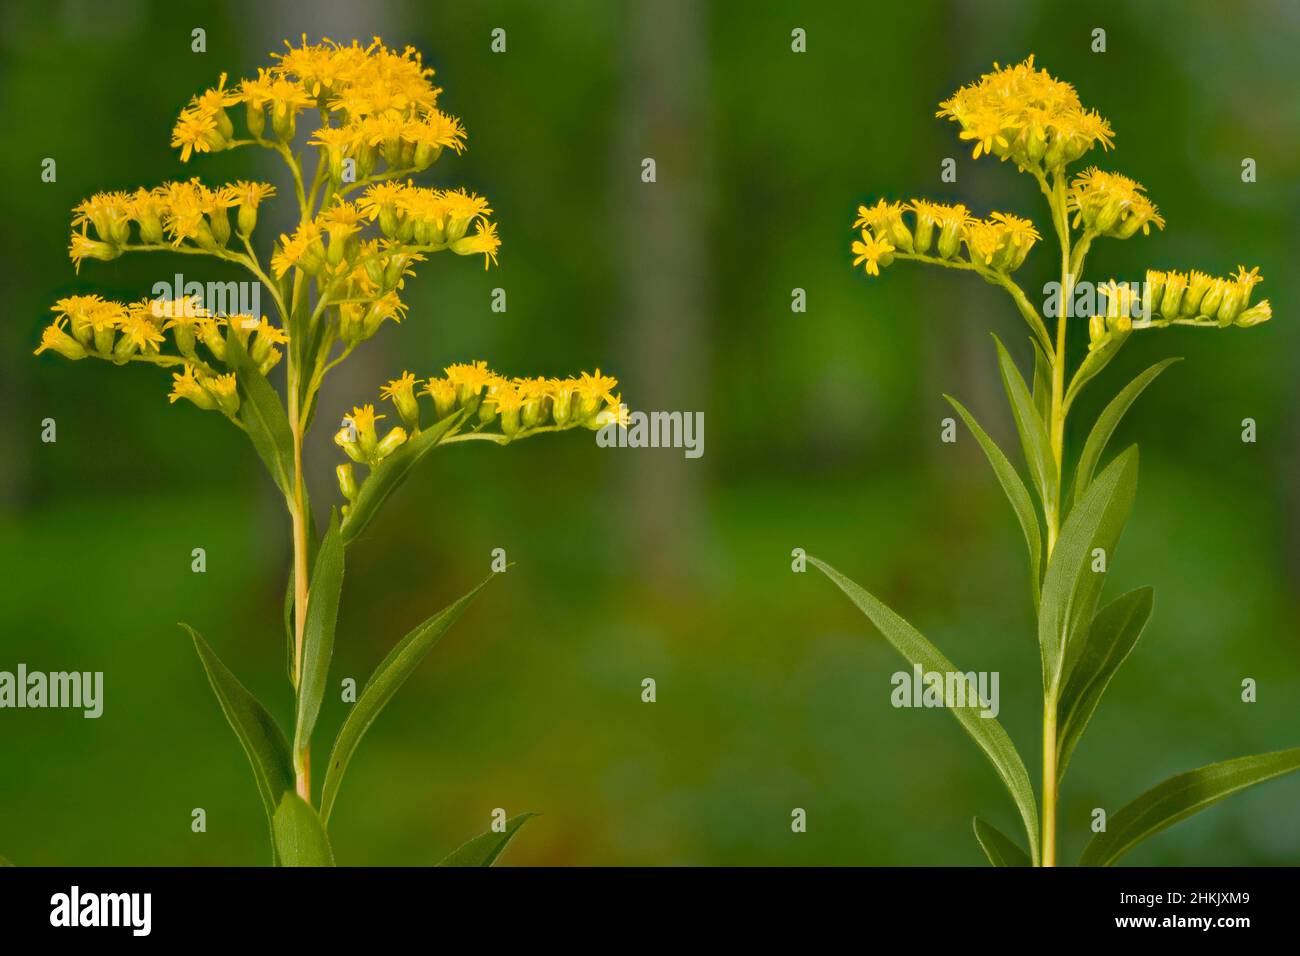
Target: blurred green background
[822, 432]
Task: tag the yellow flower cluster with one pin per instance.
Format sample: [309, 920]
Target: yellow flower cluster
[1199, 299]
[183, 212]
[999, 243]
[374, 103]
[89, 326]
[1026, 115]
[1179, 298]
[1109, 204]
[432, 218]
[518, 407]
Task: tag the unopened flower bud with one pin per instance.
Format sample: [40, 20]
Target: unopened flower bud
[347, 480]
[255, 117]
[247, 219]
[390, 443]
[1257, 313]
[346, 438]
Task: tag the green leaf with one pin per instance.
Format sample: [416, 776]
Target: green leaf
[260, 736]
[1016, 493]
[300, 837]
[1070, 586]
[263, 416]
[1042, 382]
[998, 847]
[1179, 797]
[985, 731]
[384, 683]
[483, 850]
[388, 474]
[1092, 365]
[1105, 427]
[318, 634]
[4, 862]
[1033, 432]
[1114, 631]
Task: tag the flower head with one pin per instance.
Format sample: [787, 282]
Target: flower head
[1111, 204]
[1026, 115]
[871, 251]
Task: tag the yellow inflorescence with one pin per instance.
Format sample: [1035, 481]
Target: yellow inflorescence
[178, 213]
[378, 120]
[1199, 299]
[88, 326]
[1181, 298]
[1024, 114]
[374, 102]
[999, 243]
[1109, 204]
[492, 404]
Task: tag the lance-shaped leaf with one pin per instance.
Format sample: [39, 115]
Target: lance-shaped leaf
[1016, 493]
[1032, 429]
[1092, 365]
[1114, 631]
[263, 416]
[260, 736]
[484, 849]
[1000, 849]
[318, 635]
[1042, 382]
[987, 733]
[1071, 586]
[388, 474]
[1179, 797]
[387, 679]
[300, 837]
[1105, 427]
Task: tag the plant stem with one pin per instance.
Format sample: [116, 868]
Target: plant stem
[298, 510]
[1049, 781]
[1052, 510]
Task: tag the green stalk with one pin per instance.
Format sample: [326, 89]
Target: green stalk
[298, 513]
[1056, 199]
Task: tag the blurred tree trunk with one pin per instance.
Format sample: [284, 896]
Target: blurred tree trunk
[663, 229]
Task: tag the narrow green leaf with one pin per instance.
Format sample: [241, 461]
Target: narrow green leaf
[1114, 631]
[1070, 586]
[1179, 797]
[318, 634]
[1032, 430]
[263, 416]
[300, 837]
[1105, 427]
[985, 731]
[1016, 493]
[389, 474]
[484, 849]
[1000, 849]
[1092, 365]
[1042, 382]
[384, 683]
[260, 736]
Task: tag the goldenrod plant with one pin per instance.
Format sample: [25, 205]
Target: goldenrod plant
[1073, 521]
[362, 227]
